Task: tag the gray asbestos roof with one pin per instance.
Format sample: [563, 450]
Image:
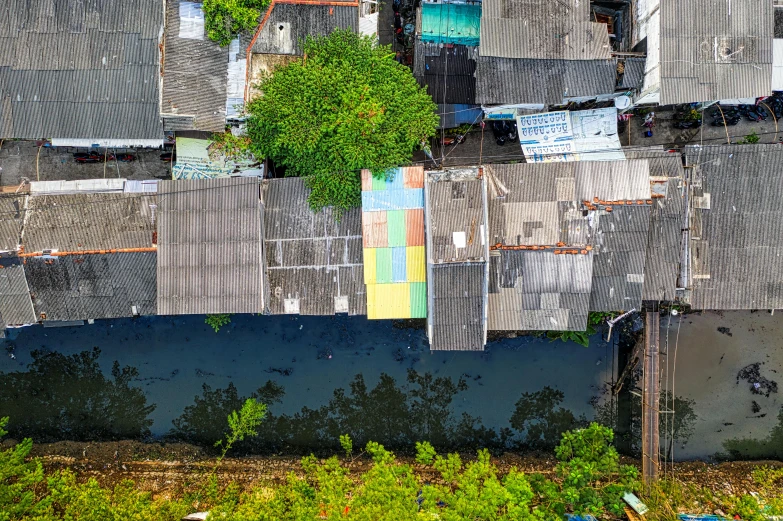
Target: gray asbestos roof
[715, 50]
[518, 80]
[458, 312]
[289, 25]
[457, 255]
[540, 52]
[736, 223]
[16, 308]
[209, 246]
[80, 287]
[538, 290]
[538, 203]
[79, 222]
[664, 240]
[80, 69]
[194, 78]
[11, 216]
[619, 252]
[633, 74]
[455, 213]
[313, 260]
[534, 204]
[542, 29]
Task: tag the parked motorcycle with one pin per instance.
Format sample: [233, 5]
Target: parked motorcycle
[92, 157]
[504, 132]
[687, 124]
[455, 139]
[730, 121]
[83, 157]
[125, 158]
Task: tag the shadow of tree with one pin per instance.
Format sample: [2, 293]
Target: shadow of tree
[770, 447]
[68, 397]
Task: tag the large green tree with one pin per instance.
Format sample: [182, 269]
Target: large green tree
[345, 105]
[224, 19]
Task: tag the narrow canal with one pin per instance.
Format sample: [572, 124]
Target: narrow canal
[518, 394]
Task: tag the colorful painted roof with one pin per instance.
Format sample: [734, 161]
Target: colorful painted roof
[393, 241]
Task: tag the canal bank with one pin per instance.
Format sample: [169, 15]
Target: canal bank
[311, 357]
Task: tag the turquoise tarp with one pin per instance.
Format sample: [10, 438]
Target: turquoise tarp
[450, 23]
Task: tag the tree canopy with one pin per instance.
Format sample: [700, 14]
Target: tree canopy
[224, 19]
[344, 106]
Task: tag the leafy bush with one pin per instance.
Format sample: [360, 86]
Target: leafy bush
[218, 321]
[225, 19]
[750, 139]
[346, 105]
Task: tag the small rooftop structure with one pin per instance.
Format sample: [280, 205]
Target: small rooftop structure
[16, 307]
[457, 260]
[541, 52]
[81, 72]
[313, 260]
[209, 247]
[393, 237]
[736, 222]
[288, 23]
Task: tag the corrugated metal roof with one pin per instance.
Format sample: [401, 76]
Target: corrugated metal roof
[290, 24]
[449, 23]
[457, 256]
[542, 30]
[313, 260]
[518, 80]
[619, 251]
[81, 287]
[11, 217]
[79, 222]
[612, 180]
[209, 246]
[736, 223]
[457, 318]
[715, 50]
[664, 242]
[449, 76]
[81, 71]
[16, 307]
[633, 74]
[538, 290]
[456, 228]
[195, 76]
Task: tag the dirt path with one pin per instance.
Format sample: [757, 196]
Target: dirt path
[168, 469]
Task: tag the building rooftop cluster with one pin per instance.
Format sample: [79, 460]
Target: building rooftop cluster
[582, 226]
[529, 246]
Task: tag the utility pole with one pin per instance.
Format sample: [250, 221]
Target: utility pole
[651, 391]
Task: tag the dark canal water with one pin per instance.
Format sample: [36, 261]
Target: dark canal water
[324, 376]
